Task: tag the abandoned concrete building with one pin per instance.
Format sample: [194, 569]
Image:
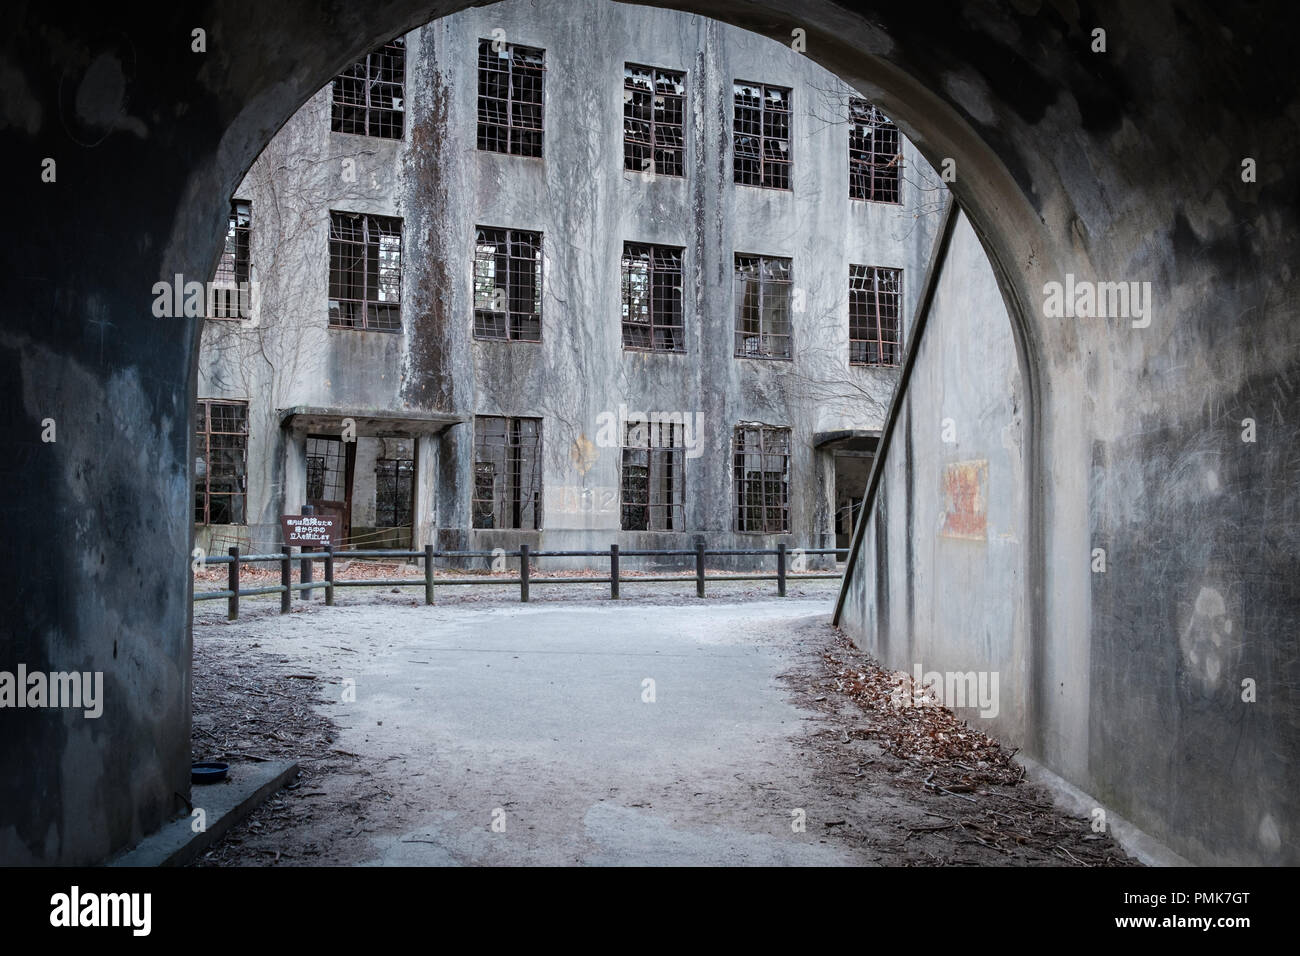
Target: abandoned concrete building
[513, 288]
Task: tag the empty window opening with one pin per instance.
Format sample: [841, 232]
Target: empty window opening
[230, 290]
[762, 478]
[761, 135]
[221, 466]
[508, 285]
[653, 488]
[652, 298]
[654, 108]
[369, 96]
[510, 98]
[762, 291]
[875, 302]
[875, 154]
[365, 272]
[507, 472]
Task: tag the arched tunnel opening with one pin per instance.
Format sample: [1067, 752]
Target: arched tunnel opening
[1151, 589]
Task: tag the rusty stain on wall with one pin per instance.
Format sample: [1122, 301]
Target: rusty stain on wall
[965, 497]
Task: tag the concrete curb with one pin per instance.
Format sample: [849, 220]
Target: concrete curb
[225, 804]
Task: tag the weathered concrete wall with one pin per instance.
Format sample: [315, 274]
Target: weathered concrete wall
[940, 584]
[585, 205]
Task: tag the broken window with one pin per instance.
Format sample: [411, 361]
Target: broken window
[875, 155]
[654, 106]
[369, 98]
[365, 272]
[508, 285]
[762, 290]
[761, 135]
[326, 469]
[230, 290]
[507, 472]
[875, 303]
[653, 489]
[394, 492]
[652, 298]
[221, 463]
[761, 474]
[510, 98]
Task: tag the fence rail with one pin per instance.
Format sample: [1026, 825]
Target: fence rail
[306, 584]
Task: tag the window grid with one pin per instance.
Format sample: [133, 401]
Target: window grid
[507, 473]
[761, 135]
[221, 443]
[369, 95]
[510, 98]
[652, 489]
[875, 155]
[654, 110]
[508, 285]
[229, 301]
[762, 290]
[652, 298]
[326, 469]
[875, 304]
[394, 489]
[365, 289]
[761, 469]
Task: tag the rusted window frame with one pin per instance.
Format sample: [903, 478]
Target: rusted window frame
[873, 342]
[378, 72]
[203, 492]
[400, 468]
[664, 142]
[229, 282]
[515, 134]
[660, 449]
[751, 318]
[489, 264]
[875, 155]
[507, 508]
[374, 265]
[758, 123]
[664, 325]
[765, 489]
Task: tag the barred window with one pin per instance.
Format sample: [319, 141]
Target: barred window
[761, 135]
[762, 478]
[507, 472]
[508, 285]
[394, 492]
[875, 154]
[653, 488]
[875, 303]
[230, 296]
[510, 98]
[652, 298]
[762, 291]
[654, 108]
[369, 96]
[221, 463]
[326, 469]
[365, 272]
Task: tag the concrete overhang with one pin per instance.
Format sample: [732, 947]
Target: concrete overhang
[847, 439]
[370, 422]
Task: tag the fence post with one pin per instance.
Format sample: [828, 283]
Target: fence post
[428, 574]
[232, 583]
[613, 572]
[329, 575]
[780, 569]
[523, 573]
[699, 569]
[286, 578]
[305, 570]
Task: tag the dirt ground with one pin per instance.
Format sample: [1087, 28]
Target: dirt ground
[882, 784]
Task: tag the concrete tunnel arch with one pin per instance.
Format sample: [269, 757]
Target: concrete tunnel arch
[1067, 160]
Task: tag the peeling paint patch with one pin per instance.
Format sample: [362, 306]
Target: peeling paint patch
[965, 500]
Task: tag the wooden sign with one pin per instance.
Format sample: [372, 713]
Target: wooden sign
[315, 530]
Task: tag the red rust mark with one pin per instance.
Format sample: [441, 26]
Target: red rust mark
[965, 494]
